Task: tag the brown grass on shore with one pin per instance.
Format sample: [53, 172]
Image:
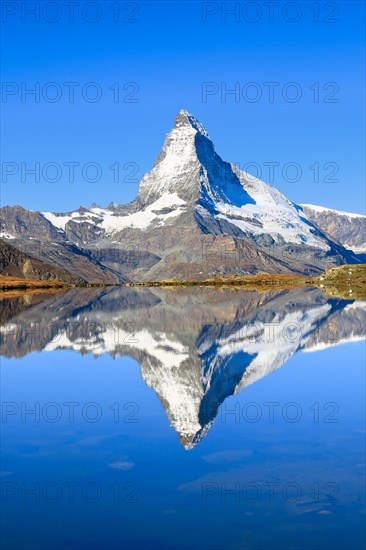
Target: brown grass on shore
[346, 281]
[12, 283]
[260, 280]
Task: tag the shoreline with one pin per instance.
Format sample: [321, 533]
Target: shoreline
[347, 281]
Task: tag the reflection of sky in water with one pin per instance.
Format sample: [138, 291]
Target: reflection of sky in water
[269, 483]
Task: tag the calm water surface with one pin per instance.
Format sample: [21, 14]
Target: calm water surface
[182, 419]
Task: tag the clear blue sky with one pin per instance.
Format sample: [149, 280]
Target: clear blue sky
[168, 50]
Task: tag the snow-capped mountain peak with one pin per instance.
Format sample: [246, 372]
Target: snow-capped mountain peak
[185, 118]
[190, 181]
[189, 201]
[176, 169]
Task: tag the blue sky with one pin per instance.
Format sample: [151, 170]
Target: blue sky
[161, 54]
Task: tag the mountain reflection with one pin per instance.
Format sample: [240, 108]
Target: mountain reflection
[195, 346]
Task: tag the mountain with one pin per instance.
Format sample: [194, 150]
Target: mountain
[344, 227]
[32, 234]
[194, 216]
[195, 346]
[14, 263]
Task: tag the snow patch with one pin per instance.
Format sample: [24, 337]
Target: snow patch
[271, 214]
[111, 223]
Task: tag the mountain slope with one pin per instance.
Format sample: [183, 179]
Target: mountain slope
[348, 229]
[194, 216]
[17, 264]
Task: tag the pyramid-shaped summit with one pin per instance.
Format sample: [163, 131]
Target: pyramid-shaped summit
[176, 170]
[195, 216]
[185, 118]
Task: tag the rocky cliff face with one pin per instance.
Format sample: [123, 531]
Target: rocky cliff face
[344, 227]
[195, 216]
[23, 224]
